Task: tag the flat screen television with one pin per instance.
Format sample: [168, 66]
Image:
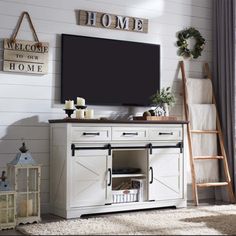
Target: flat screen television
[109, 72]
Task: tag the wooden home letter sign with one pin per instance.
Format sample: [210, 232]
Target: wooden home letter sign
[25, 56]
[110, 21]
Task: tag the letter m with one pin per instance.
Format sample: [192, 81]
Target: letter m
[122, 22]
[30, 67]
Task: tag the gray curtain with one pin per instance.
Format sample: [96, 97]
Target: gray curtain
[224, 74]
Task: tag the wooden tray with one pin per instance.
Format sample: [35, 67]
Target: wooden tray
[155, 118]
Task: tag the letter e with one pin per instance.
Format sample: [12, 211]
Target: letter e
[40, 69]
[138, 24]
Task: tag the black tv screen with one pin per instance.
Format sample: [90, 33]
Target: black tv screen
[109, 72]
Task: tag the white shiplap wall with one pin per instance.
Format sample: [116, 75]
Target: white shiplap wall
[28, 101]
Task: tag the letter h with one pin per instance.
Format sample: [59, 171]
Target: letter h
[91, 18]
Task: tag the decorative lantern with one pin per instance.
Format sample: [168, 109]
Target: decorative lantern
[24, 175]
[7, 205]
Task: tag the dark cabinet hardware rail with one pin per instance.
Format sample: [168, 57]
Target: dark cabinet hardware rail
[109, 147]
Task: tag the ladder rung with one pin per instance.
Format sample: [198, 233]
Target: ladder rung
[208, 157]
[204, 131]
[217, 184]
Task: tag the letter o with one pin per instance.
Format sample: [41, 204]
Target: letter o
[106, 20]
[33, 48]
[21, 67]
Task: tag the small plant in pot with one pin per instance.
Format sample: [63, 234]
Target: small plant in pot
[162, 99]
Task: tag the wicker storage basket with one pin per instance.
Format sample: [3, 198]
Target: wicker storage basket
[123, 196]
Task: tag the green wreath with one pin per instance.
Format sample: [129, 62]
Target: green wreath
[183, 44]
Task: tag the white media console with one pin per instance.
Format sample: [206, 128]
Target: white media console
[87, 155]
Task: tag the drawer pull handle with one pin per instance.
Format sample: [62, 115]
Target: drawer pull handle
[136, 133]
[96, 134]
[171, 133]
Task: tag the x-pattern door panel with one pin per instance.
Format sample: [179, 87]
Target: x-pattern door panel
[88, 179]
[166, 166]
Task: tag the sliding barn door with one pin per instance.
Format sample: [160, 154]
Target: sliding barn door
[165, 174]
[89, 180]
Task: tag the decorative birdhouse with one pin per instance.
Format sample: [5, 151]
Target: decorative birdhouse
[7, 205]
[24, 176]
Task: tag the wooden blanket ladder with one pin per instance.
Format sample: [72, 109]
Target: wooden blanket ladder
[218, 132]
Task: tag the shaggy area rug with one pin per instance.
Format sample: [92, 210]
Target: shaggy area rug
[203, 220]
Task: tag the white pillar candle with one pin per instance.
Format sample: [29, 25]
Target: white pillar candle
[22, 210]
[80, 101]
[30, 207]
[80, 114]
[69, 104]
[89, 114]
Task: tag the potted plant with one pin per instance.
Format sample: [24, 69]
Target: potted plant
[163, 98]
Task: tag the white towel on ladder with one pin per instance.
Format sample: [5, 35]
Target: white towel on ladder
[203, 117]
[199, 91]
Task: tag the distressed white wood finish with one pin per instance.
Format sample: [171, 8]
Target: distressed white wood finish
[30, 100]
[81, 181]
[91, 134]
[168, 133]
[129, 133]
[167, 177]
[25, 179]
[7, 209]
[88, 181]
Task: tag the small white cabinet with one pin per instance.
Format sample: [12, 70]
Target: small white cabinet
[89, 163]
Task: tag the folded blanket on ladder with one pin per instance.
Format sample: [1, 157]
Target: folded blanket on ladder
[199, 91]
[203, 117]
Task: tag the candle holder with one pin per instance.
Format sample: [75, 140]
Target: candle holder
[80, 107]
[69, 112]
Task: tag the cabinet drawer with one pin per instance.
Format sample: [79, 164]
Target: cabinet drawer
[91, 134]
[165, 134]
[127, 133]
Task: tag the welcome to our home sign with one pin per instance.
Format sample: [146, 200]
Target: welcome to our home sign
[111, 21]
[25, 56]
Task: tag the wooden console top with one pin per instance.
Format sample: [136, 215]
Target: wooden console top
[107, 121]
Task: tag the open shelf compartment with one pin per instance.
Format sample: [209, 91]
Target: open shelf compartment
[129, 178]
